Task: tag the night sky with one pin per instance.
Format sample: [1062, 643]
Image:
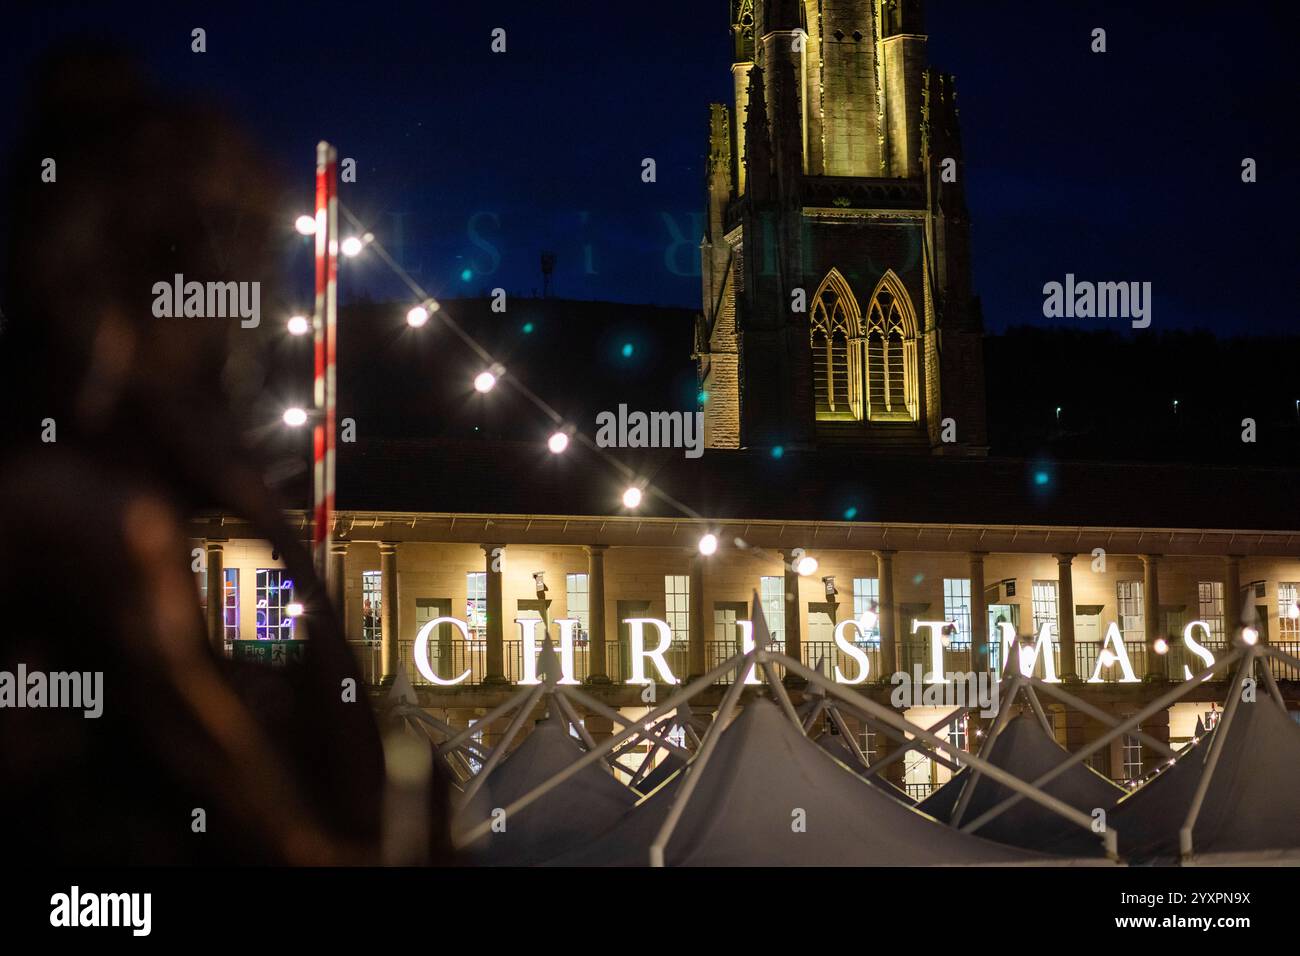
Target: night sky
[1122, 166]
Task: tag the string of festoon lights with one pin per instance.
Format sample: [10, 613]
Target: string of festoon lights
[494, 373]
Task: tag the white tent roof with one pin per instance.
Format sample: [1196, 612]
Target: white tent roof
[1251, 809]
[835, 745]
[572, 813]
[1024, 749]
[763, 780]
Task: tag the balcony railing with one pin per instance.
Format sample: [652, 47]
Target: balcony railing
[451, 658]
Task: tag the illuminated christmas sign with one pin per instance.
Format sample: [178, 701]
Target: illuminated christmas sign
[648, 655]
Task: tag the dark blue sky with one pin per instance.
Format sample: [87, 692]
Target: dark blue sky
[1117, 166]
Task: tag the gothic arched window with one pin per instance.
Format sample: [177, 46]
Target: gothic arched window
[836, 333]
[891, 353]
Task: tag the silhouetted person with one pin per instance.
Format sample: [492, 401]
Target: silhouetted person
[94, 552]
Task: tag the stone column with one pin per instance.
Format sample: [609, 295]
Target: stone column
[888, 614]
[495, 663]
[695, 634]
[389, 633]
[216, 596]
[793, 635]
[1231, 597]
[1065, 614]
[1156, 663]
[979, 615]
[597, 661]
[338, 582]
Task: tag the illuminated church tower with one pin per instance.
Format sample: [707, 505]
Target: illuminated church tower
[837, 295]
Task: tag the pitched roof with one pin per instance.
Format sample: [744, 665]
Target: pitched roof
[573, 812]
[742, 813]
[1252, 805]
[1025, 750]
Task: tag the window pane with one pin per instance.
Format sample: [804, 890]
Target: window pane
[677, 604]
[956, 608]
[371, 596]
[578, 600]
[866, 598]
[274, 595]
[476, 605]
[772, 597]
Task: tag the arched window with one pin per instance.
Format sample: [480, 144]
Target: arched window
[836, 330]
[891, 353]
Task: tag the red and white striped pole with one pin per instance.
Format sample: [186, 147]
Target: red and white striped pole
[325, 325]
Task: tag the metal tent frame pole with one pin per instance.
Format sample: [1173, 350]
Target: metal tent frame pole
[1121, 727]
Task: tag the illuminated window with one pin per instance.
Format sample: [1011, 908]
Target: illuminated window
[476, 605]
[891, 353]
[958, 733]
[230, 612]
[677, 605]
[772, 596]
[956, 609]
[1132, 763]
[371, 597]
[577, 602]
[1130, 611]
[274, 595]
[836, 335]
[1288, 612]
[1209, 606]
[867, 743]
[1045, 600]
[866, 597]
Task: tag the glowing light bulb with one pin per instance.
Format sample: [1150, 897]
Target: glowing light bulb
[708, 544]
[299, 325]
[351, 246]
[1249, 635]
[632, 497]
[294, 417]
[484, 382]
[306, 225]
[417, 317]
[557, 443]
[807, 565]
[1160, 646]
[1293, 612]
[293, 609]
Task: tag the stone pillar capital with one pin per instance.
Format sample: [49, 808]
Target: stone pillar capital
[1065, 558]
[388, 547]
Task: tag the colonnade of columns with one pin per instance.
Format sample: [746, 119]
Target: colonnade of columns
[699, 629]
